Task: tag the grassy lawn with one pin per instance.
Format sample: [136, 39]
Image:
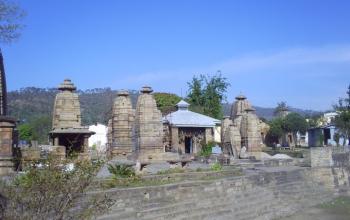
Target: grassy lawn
[338, 205]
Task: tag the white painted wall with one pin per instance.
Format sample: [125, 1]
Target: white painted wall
[100, 138]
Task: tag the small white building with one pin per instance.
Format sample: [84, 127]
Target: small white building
[99, 139]
[329, 117]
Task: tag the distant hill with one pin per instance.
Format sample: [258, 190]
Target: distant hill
[268, 113]
[30, 103]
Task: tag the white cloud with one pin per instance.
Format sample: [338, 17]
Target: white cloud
[285, 59]
[253, 63]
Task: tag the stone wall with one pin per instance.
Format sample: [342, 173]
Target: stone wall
[267, 194]
[329, 156]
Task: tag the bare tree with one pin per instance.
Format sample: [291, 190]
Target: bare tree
[11, 16]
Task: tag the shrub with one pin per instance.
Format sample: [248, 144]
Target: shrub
[52, 192]
[121, 170]
[216, 167]
[207, 149]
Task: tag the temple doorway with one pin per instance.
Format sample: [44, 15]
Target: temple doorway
[188, 145]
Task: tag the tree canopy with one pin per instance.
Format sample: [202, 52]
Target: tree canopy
[342, 120]
[166, 101]
[295, 123]
[11, 16]
[281, 107]
[206, 94]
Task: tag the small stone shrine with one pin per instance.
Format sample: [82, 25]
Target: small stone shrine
[121, 141]
[188, 130]
[8, 134]
[66, 125]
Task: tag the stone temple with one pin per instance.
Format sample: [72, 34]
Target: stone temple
[188, 130]
[67, 130]
[243, 129]
[121, 126]
[8, 134]
[148, 125]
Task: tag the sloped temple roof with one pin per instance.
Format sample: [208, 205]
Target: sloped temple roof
[186, 118]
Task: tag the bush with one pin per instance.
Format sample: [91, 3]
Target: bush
[121, 170]
[216, 167]
[52, 192]
[207, 149]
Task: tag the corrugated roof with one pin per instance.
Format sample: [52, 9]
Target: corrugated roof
[186, 118]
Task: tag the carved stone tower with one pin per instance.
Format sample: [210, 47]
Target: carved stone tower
[7, 127]
[122, 125]
[148, 124]
[250, 131]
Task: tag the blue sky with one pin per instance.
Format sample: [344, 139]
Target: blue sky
[292, 50]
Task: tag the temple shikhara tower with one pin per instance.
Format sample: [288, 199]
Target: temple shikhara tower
[121, 125]
[7, 127]
[148, 124]
[243, 129]
[67, 130]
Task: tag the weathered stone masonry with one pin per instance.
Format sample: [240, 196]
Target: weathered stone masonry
[262, 195]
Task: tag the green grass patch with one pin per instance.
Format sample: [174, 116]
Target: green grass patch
[338, 205]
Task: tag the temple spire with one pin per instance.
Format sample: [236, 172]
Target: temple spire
[3, 92]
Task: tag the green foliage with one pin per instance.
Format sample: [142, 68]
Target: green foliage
[206, 149]
[336, 138]
[216, 167]
[195, 95]
[121, 170]
[338, 205]
[25, 132]
[35, 129]
[281, 107]
[275, 132]
[166, 102]
[320, 140]
[206, 94]
[342, 120]
[314, 121]
[294, 123]
[52, 191]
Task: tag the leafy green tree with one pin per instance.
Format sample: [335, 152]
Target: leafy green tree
[206, 94]
[214, 94]
[276, 131]
[196, 91]
[166, 102]
[342, 120]
[314, 120]
[41, 127]
[25, 132]
[10, 21]
[281, 107]
[295, 123]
